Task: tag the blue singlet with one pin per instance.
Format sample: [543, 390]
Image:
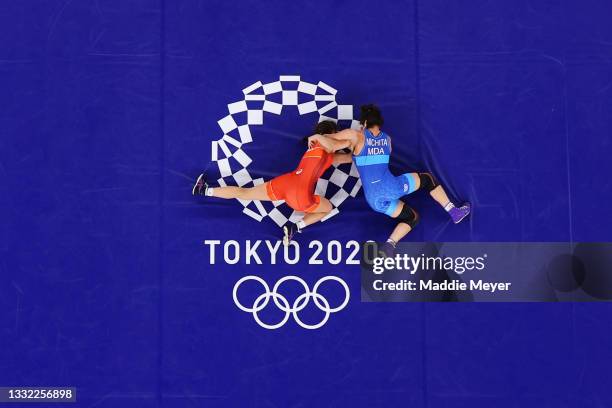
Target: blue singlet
[382, 189]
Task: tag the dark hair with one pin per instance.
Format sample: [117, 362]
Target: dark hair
[371, 114]
[326, 127]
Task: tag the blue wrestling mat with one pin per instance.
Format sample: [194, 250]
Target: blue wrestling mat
[116, 281]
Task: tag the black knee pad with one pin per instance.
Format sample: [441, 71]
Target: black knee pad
[408, 216]
[428, 181]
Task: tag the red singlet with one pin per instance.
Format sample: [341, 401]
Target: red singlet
[297, 188]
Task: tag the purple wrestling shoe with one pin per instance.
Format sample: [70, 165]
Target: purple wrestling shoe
[459, 213]
[386, 250]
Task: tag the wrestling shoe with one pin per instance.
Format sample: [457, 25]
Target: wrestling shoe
[289, 231]
[386, 250]
[458, 214]
[200, 186]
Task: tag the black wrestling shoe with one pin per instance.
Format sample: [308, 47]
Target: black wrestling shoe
[386, 250]
[289, 230]
[200, 186]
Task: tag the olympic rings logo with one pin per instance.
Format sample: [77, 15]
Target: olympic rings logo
[298, 305]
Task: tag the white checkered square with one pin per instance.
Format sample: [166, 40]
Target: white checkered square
[273, 107]
[251, 88]
[278, 217]
[242, 177]
[339, 197]
[224, 167]
[338, 177]
[252, 214]
[227, 124]
[273, 87]
[307, 88]
[255, 117]
[321, 187]
[290, 98]
[345, 112]
[245, 134]
[307, 107]
[237, 107]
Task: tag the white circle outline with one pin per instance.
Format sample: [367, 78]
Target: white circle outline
[267, 298]
[327, 311]
[347, 292]
[229, 124]
[244, 279]
[292, 278]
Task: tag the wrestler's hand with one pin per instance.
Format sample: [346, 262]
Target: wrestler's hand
[312, 140]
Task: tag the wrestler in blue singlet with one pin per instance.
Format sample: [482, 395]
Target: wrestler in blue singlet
[382, 189]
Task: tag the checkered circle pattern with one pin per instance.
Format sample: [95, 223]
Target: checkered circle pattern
[233, 161]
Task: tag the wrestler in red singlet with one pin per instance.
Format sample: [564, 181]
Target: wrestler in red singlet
[297, 188]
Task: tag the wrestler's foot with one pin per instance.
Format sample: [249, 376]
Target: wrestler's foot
[459, 213]
[289, 230]
[200, 186]
[386, 250]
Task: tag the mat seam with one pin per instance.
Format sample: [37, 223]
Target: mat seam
[417, 73]
[162, 122]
